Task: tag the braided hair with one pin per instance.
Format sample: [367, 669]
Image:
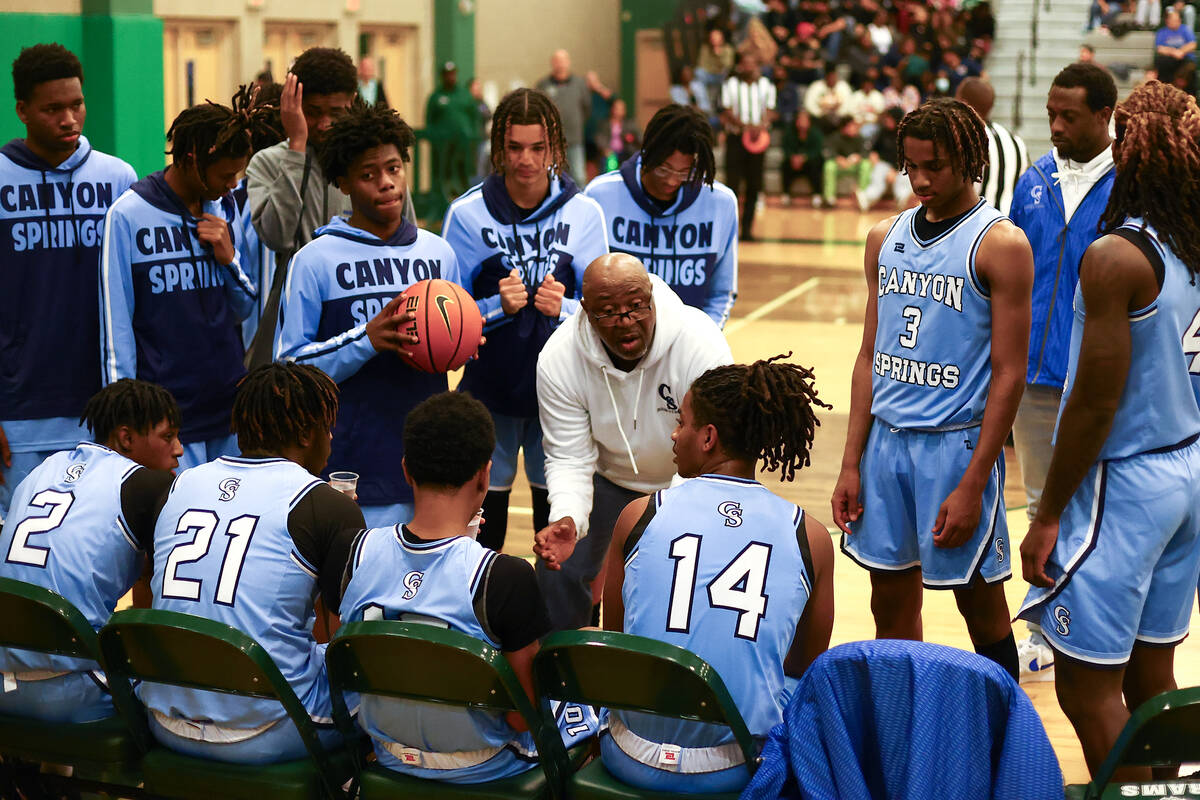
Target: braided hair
[761, 411]
[280, 403]
[210, 131]
[528, 107]
[41, 63]
[1158, 164]
[684, 129]
[357, 131]
[956, 130]
[139, 405]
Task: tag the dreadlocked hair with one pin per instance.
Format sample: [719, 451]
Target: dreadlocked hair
[761, 411]
[263, 136]
[357, 131]
[210, 131]
[1158, 162]
[40, 63]
[280, 403]
[528, 107]
[683, 128]
[956, 130]
[139, 405]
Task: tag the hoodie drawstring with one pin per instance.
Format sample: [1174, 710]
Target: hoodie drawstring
[617, 413]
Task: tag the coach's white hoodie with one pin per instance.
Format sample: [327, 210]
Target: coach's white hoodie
[596, 418]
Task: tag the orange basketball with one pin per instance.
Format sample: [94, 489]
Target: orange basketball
[448, 325]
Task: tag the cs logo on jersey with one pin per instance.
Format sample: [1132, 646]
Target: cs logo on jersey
[732, 512]
[228, 488]
[412, 582]
[74, 473]
[999, 548]
[1062, 620]
[1036, 194]
[664, 391]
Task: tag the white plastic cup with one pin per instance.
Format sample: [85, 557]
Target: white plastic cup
[344, 482]
[473, 525]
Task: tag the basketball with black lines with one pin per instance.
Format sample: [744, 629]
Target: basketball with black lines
[448, 325]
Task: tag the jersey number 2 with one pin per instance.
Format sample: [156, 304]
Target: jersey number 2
[738, 587]
[204, 524]
[20, 551]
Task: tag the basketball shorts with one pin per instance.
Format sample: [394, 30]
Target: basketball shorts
[1127, 559]
[514, 434]
[906, 476]
[203, 451]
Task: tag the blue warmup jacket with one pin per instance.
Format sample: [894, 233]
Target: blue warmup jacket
[170, 313]
[491, 236]
[335, 285]
[51, 220]
[1037, 209]
[692, 245]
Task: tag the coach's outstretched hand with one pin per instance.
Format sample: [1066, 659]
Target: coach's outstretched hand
[386, 330]
[555, 543]
[291, 113]
[847, 507]
[1036, 548]
[214, 232]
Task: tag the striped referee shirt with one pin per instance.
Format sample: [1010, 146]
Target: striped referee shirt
[1007, 159]
[748, 101]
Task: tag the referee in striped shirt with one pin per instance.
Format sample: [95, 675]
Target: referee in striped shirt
[1007, 156]
[747, 104]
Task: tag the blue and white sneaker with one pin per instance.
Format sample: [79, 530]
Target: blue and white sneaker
[1036, 659]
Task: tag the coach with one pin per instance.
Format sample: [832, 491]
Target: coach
[610, 382]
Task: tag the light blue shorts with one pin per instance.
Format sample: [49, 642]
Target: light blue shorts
[280, 742]
[1126, 561]
[74, 697]
[906, 476]
[386, 516]
[197, 453]
[629, 770]
[513, 434]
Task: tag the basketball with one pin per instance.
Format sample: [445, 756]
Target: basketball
[448, 325]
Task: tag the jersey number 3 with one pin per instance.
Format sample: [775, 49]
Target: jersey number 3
[204, 524]
[738, 587]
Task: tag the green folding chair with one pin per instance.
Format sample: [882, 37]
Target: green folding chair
[1163, 731]
[422, 662]
[619, 670]
[103, 753]
[184, 650]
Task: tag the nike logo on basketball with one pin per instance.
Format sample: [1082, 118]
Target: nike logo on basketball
[441, 301]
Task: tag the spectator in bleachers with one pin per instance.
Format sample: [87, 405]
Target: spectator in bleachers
[715, 59]
[901, 94]
[1148, 13]
[860, 54]
[1187, 11]
[803, 156]
[617, 138]
[827, 100]
[865, 105]
[881, 32]
[787, 96]
[886, 174]
[913, 61]
[370, 88]
[781, 21]
[1173, 45]
[845, 154]
[688, 90]
[954, 68]
[980, 25]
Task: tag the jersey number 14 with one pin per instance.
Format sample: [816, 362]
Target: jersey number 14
[738, 587]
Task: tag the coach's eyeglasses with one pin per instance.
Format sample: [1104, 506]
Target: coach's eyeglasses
[635, 313]
[665, 172]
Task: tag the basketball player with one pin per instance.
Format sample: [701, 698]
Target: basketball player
[54, 190]
[750, 575]
[81, 525]
[659, 209]
[1112, 553]
[935, 388]
[172, 289]
[250, 541]
[523, 237]
[431, 570]
[340, 304]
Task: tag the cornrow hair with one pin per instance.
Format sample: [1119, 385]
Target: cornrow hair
[278, 404]
[528, 107]
[956, 130]
[40, 63]
[357, 131]
[680, 128]
[764, 411]
[210, 131]
[1158, 164]
[140, 405]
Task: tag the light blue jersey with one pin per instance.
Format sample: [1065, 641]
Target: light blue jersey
[721, 568]
[222, 550]
[67, 532]
[933, 343]
[1159, 404]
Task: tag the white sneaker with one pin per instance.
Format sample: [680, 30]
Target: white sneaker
[1036, 659]
[785, 200]
[864, 205]
[817, 201]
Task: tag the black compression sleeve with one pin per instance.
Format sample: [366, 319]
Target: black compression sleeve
[323, 526]
[142, 497]
[516, 612]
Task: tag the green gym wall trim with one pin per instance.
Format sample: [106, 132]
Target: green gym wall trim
[122, 67]
[638, 15]
[454, 38]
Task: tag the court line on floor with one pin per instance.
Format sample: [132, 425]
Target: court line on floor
[769, 306]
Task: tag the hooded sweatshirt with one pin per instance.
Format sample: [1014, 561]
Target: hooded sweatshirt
[335, 285]
[598, 419]
[170, 312]
[691, 244]
[51, 220]
[492, 235]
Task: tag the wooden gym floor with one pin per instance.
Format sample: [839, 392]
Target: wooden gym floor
[802, 290]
